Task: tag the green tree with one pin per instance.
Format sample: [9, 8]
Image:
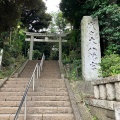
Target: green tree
[107, 12]
[73, 11]
[58, 23]
[109, 21]
[11, 11]
[61, 22]
[36, 18]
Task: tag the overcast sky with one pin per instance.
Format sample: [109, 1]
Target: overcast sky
[52, 5]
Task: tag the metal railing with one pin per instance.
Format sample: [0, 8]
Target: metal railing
[38, 69]
[41, 63]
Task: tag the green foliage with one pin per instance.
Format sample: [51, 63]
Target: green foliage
[43, 47]
[37, 54]
[109, 19]
[65, 59]
[58, 23]
[74, 39]
[12, 54]
[73, 46]
[73, 11]
[5, 73]
[36, 18]
[110, 65]
[9, 65]
[9, 14]
[72, 55]
[3, 38]
[112, 48]
[13, 46]
[7, 59]
[107, 11]
[11, 11]
[94, 118]
[54, 55]
[61, 22]
[75, 70]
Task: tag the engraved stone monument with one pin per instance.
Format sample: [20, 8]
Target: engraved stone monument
[90, 48]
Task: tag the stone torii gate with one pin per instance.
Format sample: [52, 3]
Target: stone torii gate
[45, 38]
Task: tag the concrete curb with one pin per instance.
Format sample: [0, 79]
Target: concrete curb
[71, 95]
[73, 101]
[17, 72]
[3, 81]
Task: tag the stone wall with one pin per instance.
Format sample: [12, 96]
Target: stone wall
[84, 87]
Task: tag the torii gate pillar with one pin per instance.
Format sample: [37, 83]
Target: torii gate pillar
[60, 50]
[31, 47]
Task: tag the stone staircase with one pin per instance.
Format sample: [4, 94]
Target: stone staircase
[50, 101]
[28, 70]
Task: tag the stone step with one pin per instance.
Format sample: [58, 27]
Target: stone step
[35, 98]
[41, 79]
[51, 79]
[37, 110]
[12, 89]
[36, 103]
[30, 90]
[38, 117]
[39, 82]
[27, 70]
[40, 85]
[19, 79]
[50, 98]
[14, 85]
[44, 93]
[17, 82]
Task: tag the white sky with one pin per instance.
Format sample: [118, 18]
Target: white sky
[52, 5]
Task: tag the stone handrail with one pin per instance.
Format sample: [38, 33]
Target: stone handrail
[107, 94]
[107, 88]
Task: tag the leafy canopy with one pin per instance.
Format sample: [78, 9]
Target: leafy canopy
[31, 12]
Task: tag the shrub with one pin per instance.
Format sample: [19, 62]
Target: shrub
[7, 59]
[65, 59]
[37, 54]
[54, 55]
[110, 65]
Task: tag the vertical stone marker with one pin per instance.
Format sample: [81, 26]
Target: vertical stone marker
[90, 48]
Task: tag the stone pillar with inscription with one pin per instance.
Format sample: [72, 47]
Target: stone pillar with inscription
[90, 48]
